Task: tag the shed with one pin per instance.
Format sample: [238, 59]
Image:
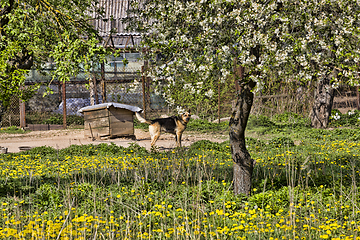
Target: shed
[109, 120]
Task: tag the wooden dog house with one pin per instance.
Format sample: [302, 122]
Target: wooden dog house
[109, 120]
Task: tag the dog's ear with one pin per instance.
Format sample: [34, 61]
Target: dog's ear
[189, 111]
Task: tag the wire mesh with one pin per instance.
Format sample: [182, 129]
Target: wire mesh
[11, 117]
[126, 87]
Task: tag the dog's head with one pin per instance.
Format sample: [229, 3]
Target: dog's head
[186, 116]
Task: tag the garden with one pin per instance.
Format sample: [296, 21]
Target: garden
[304, 187]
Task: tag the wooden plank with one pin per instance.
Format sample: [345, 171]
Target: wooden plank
[120, 127]
[97, 123]
[56, 127]
[121, 122]
[44, 127]
[121, 114]
[97, 132]
[121, 132]
[97, 113]
[114, 120]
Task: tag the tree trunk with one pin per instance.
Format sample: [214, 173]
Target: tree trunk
[321, 110]
[243, 163]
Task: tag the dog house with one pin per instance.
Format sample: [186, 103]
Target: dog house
[109, 120]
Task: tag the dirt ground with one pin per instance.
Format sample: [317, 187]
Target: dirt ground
[60, 139]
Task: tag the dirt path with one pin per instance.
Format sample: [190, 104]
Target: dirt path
[59, 139]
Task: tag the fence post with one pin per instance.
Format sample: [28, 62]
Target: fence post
[148, 97]
[22, 114]
[219, 100]
[64, 103]
[357, 98]
[103, 83]
[143, 79]
[95, 90]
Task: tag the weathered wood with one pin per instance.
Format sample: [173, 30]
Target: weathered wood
[143, 89]
[357, 98]
[94, 114]
[44, 127]
[22, 114]
[108, 122]
[121, 125]
[97, 132]
[121, 114]
[97, 123]
[118, 131]
[64, 103]
[103, 83]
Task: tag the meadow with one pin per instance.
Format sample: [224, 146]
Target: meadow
[304, 187]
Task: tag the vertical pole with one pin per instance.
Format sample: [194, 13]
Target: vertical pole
[22, 114]
[95, 90]
[60, 91]
[219, 101]
[143, 79]
[64, 103]
[148, 99]
[358, 98]
[103, 84]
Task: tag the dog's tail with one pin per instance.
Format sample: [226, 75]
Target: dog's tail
[141, 119]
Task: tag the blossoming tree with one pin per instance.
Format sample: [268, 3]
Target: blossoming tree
[201, 41]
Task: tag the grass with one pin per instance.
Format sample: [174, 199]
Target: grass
[304, 187]
[12, 130]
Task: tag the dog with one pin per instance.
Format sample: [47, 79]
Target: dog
[175, 125]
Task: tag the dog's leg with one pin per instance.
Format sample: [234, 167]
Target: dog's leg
[154, 139]
[154, 134]
[178, 139]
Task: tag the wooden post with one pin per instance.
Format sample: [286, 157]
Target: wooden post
[95, 90]
[143, 79]
[358, 98]
[219, 101]
[103, 83]
[22, 114]
[147, 87]
[64, 103]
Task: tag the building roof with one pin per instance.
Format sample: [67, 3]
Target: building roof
[108, 105]
[115, 11]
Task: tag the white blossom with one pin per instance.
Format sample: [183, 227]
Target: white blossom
[180, 110]
[209, 93]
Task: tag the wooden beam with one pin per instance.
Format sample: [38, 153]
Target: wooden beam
[143, 79]
[22, 114]
[64, 103]
[103, 83]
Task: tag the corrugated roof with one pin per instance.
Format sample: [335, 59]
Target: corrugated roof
[114, 13]
[109, 104]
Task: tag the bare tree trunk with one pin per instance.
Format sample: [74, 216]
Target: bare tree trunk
[321, 110]
[243, 163]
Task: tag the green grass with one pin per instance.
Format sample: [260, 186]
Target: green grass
[12, 130]
[304, 186]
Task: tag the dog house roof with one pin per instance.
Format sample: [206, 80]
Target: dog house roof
[109, 104]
